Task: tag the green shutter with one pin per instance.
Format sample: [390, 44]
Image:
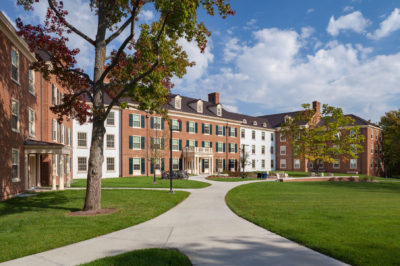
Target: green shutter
[210, 129]
[223, 164]
[151, 168]
[202, 144]
[210, 144]
[131, 120]
[162, 123]
[180, 144]
[229, 131]
[235, 148]
[152, 122]
[170, 144]
[223, 147]
[195, 127]
[131, 142]
[142, 167]
[187, 143]
[162, 144]
[180, 164]
[180, 125]
[131, 166]
[202, 128]
[202, 165]
[162, 164]
[142, 142]
[223, 130]
[235, 161]
[142, 121]
[187, 126]
[196, 143]
[235, 132]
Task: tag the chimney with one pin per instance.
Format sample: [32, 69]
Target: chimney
[213, 97]
[316, 106]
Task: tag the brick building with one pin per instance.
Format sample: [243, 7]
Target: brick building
[34, 148]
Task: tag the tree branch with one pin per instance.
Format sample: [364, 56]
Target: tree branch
[120, 30]
[72, 28]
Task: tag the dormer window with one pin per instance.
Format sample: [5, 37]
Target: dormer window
[219, 110]
[287, 118]
[199, 106]
[255, 123]
[178, 101]
[244, 121]
[264, 124]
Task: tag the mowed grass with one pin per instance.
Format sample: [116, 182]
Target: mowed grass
[145, 257]
[143, 182]
[358, 223]
[232, 179]
[35, 224]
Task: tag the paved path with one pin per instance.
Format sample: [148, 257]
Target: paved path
[202, 227]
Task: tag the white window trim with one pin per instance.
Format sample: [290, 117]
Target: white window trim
[336, 167]
[77, 139]
[18, 115]
[282, 148]
[77, 164]
[110, 148]
[172, 145]
[62, 135]
[110, 171]
[18, 66]
[294, 164]
[140, 143]
[351, 164]
[280, 163]
[18, 178]
[282, 138]
[220, 144]
[209, 126]
[110, 125]
[33, 81]
[133, 121]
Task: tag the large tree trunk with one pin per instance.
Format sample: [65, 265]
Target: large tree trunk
[93, 188]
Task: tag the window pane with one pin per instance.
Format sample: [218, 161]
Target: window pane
[110, 119]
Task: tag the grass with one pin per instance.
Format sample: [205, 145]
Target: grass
[39, 223]
[143, 182]
[231, 179]
[358, 223]
[145, 257]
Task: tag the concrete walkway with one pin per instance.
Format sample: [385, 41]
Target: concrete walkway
[202, 227]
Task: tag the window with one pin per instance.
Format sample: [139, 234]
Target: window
[67, 136]
[82, 164]
[254, 123]
[220, 164]
[220, 130]
[110, 163]
[177, 102]
[54, 131]
[263, 163]
[156, 143]
[253, 163]
[157, 122]
[136, 164]
[310, 165]
[283, 163]
[54, 94]
[253, 134]
[232, 132]
[336, 164]
[232, 147]
[31, 122]
[14, 115]
[175, 144]
[220, 147]
[353, 133]
[136, 142]
[175, 163]
[353, 163]
[372, 164]
[264, 124]
[206, 144]
[282, 137]
[111, 119]
[296, 163]
[199, 106]
[219, 111]
[175, 124]
[272, 164]
[243, 133]
[62, 134]
[191, 127]
[262, 149]
[15, 164]
[31, 78]
[206, 128]
[110, 140]
[272, 137]
[253, 149]
[272, 150]
[15, 65]
[244, 121]
[372, 134]
[135, 118]
[191, 143]
[283, 150]
[263, 135]
[82, 139]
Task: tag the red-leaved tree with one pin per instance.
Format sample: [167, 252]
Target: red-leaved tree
[140, 69]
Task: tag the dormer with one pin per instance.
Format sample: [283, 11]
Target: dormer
[264, 124]
[178, 102]
[244, 121]
[216, 109]
[197, 105]
[287, 118]
[255, 123]
[219, 110]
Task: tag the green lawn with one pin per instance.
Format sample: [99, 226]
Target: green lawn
[145, 257]
[35, 224]
[142, 182]
[358, 223]
[232, 179]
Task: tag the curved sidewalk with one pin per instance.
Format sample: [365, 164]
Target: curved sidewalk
[202, 227]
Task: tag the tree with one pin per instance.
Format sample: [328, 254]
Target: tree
[390, 124]
[324, 137]
[140, 69]
[244, 159]
[158, 151]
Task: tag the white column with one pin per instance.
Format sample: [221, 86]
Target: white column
[211, 165]
[54, 176]
[26, 170]
[61, 174]
[67, 161]
[37, 170]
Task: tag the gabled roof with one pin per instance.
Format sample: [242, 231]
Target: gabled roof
[276, 120]
[358, 121]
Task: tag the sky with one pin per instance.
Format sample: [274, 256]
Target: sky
[272, 56]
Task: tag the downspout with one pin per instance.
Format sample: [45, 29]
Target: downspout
[41, 106]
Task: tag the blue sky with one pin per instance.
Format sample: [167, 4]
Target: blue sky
[274, 55]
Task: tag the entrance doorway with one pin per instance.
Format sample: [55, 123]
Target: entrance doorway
[206, 166]
[32, 172]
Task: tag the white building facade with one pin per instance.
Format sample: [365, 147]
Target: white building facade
[258, 143]
[112, 146]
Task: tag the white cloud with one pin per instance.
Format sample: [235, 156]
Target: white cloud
[146, 15]
[232, 49]
[310, 10]
[231, 108]
[354, 21]
[251, 22]
[272, 74]
[306, 32]
[348, 8]
[389, 25]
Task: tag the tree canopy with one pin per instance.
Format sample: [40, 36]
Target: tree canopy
[390, 124]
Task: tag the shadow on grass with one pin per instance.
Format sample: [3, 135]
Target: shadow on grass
[46, 200]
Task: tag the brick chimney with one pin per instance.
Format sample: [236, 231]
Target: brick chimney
[316, 106]
[213, 97]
